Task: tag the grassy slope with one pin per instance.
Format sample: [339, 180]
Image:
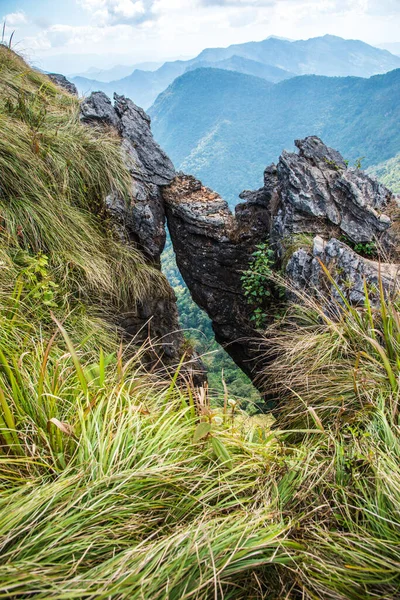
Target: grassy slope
[118, 484]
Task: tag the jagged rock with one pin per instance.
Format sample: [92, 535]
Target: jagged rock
[63, 82]
[309, 200]
[211, 251]
[317, 192]
[142, 223]
[98, 109]
[154, 165]
[347, 268]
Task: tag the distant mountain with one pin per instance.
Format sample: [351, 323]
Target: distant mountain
[117, 72]
[225, 127]
[388, 173]
[245, 66]
[327, 55]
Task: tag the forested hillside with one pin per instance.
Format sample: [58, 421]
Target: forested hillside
[388, 173]
[226, 127]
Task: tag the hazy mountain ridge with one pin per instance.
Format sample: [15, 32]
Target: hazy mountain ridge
[327, 55]
[224, 127]
[116, 72]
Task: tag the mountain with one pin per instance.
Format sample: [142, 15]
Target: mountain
[245, 66]
[393, 47]
[225, 127]
[388, 173]
[117, 72]
[327, 55]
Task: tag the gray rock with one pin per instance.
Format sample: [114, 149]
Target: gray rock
[311, 192]
[135, 129]
[98, 109]
[63, 82]
[140, 222]
[317, 191]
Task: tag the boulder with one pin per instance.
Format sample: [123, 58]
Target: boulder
[63, 83]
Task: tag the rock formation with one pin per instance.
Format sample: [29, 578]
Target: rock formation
[63, 82]
[143, 221]
[311, 209]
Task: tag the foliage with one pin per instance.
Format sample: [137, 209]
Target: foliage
[388, 173]
[258, 286]
[366, 249]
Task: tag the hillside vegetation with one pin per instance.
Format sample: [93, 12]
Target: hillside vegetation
[388, 173]
[117, 483]
[225, 127]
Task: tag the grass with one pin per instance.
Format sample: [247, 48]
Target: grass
[117, 483]
[55, 174]
[332, 363]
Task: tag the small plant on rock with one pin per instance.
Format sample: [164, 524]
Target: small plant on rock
[256, 281]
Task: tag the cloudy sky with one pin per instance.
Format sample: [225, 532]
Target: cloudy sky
[72, 35]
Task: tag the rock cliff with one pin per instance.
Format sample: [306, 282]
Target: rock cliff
[312, 209]
[141, 221]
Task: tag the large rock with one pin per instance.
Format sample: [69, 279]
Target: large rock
[143, 221]
[312, 209]
[63, 83]
[212, 249]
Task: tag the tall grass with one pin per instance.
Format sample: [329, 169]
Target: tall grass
[55, 175]
[332, 361]
[106, 494]
[117, 483]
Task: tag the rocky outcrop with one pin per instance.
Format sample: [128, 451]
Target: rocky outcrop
[141, 223]
[312, 209]
[212, 249]
[143, 220]
[63, 83]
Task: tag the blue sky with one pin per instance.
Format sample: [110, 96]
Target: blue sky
[72, 35]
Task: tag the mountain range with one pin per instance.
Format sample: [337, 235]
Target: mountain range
[226, 127]
[273, 59]
[116, 72]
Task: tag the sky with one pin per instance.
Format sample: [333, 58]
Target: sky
[70, 36]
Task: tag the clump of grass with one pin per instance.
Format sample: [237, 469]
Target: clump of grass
[55, 175]
[106, 492]
[333, 359]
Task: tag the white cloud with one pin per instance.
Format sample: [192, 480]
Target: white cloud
[15, 19]
[119, 11]
[77, 38]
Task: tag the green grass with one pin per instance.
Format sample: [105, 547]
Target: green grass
[116, 483]
[55, 174]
